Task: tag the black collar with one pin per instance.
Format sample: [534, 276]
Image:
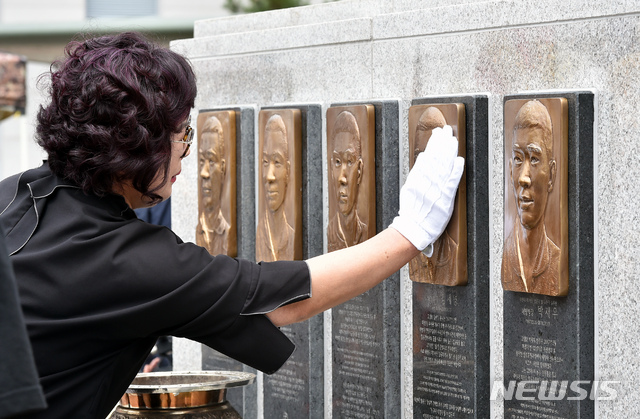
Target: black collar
[26, 198]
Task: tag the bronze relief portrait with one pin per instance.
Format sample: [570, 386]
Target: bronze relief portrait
[279, 233]
[351, 175]
[216, 230]
[448, 263]
[535, 252]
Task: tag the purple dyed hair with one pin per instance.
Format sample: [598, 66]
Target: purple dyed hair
[115, 102]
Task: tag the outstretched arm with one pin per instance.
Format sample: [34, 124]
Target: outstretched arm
[426, 204]
[341, 275]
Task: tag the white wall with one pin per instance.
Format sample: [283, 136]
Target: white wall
[41, 11]
[70, 11]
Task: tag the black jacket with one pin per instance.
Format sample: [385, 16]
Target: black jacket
[98, 286]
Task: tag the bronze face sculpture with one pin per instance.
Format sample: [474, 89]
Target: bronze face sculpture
[13, 96]
[448, 263]
[216, 174]
[531, 261]
[278, 234]
[347, 170]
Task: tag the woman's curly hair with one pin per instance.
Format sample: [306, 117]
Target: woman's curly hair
[115, 102]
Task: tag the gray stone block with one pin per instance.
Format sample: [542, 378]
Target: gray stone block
[243, 399]
[328, 33]
[451, 324]
[297, 389]
[559, 345]
[366, 366]
[291, 17]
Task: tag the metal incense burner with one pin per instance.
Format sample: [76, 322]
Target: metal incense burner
[188, 395]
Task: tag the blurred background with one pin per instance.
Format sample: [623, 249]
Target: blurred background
[33, 34]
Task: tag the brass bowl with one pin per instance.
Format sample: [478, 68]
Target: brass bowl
[180, 390]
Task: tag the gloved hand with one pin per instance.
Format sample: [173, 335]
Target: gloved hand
[427, 196]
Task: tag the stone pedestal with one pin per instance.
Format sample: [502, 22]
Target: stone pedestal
[366, 330]
[244, 399]
[297, 389]
[548, 341]
[451, 323]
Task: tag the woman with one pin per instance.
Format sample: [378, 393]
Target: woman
[98, 286]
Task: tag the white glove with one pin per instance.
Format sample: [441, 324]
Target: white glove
[427, 196]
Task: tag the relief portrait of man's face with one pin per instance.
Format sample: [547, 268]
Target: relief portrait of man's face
[275, 163]
[346, 163]
[351, 173]
[532, 174]
[216, 148]
[212, 164]
[279, 230]
[430, 119]
[534, 258]
[12, 84]
[448, 263]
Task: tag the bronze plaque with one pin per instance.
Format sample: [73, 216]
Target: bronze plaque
[448, 263]
[216, 230]
[535, 253]
[13, 96]
[351, 160]
[279, 233]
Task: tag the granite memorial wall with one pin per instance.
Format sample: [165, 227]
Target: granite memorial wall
[450, 288]
[466, 332]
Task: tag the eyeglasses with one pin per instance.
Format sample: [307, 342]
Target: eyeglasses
[187, 139]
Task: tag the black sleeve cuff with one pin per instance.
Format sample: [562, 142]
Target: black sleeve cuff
[279, 283]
